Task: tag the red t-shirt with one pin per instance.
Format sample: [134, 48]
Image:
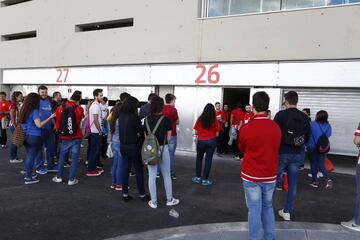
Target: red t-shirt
[220, 115]
[248, 117]
[4, 107]
[237, 116]
[171, 113]
[79, 111]
[207, 134]
[16, 107]
[260, 141]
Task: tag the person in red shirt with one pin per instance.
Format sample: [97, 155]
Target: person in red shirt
[260, 142]
[355, 223]
[70, 143]
[236, 117]
[220, 116]
[4, 118]
[226, 129]
[206, 128]
[248, 115]
[170, 112]
[17, 99]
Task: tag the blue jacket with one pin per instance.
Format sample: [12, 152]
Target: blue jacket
[318, 129]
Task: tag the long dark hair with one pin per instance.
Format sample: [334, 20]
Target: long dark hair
[31, 102]
[208, 116]
[115, 113]
[15, 95]
[130, 105]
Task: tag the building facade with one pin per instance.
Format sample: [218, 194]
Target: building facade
[201, 50]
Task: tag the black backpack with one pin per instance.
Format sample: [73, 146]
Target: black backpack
[294, 132]
[68, 125]
[323, 143]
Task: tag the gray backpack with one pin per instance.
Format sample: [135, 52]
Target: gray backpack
[151, 153]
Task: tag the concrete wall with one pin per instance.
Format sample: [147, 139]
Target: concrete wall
[168, 31]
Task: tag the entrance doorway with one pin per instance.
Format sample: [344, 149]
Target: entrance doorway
[236, 97]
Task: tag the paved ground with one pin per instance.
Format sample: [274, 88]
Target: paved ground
[91, 210]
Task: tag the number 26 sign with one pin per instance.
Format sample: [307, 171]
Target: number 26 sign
[210, 76]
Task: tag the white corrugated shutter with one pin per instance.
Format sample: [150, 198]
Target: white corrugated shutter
[343, 107]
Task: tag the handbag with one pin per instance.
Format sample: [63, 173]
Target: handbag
[18, 137]
[4, 122]
[109, 151]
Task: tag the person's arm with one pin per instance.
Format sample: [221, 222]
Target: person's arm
[40, 123]
[12, 117]
[58, 118]
[177, 117]
[231, 119]
[357, 141]
[168, 135]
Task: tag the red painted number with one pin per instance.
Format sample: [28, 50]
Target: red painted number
[203, 70]
[62, 75]
[213, 77]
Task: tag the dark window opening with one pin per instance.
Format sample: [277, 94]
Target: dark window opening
[6, 3]
[18, 36]
[236, 97]
[128, 22]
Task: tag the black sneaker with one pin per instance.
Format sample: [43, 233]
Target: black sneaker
[127, 198]
[314, 184]
[173, 177]
[132, 174]
[158, 175]
[145, 198]
[32, 180]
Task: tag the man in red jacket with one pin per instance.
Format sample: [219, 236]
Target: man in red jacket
[70, 136]
[260, 142]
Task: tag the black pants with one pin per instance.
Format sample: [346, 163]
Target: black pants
[224, 140]
[104, 147]
[3, 139]
[131, 154]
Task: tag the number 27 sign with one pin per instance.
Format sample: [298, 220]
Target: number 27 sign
[62, 75]
[210, 75]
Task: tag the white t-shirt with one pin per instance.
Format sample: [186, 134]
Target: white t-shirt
[95, 109]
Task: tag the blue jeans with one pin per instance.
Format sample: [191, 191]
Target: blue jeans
[47, 141]
[32, 146]
[165, 169]
[303, 154]
[357, 208]
[13, 148]
[131, 153]
[116, 172]
[258, 198]
[94, 152]
[317, 163]
[206, 147]
[291, 163]
[172, 148]
[69, 146]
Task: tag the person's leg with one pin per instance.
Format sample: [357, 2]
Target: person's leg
[136, 159]
[13, 148]
[267, 212]
[200, 151]
[172, 147]
[357, 207]
[165, 168]
[75, 152]
[218, 143]
[32, 148]
[99, 149]
[115, 162]
[321, 166]
[283, 161]
[3, 137]
[253, 202]
[50, 147]
[94, 151]
[126, 166]
[152, 182]
[313, 164]
[39, 160]
[88, 148]
[209, 157]
[64, 149]
[118, 170]
[293, 170]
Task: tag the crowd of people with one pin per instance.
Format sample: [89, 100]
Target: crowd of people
[268, 148]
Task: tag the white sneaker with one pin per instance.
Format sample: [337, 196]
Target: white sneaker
[152, 205]
[284, 215]
[173, 202]
[73, 182]
[351, 225]
[57, 180]
[16, 160]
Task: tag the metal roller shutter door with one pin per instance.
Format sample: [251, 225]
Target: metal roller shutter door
[342, 106]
